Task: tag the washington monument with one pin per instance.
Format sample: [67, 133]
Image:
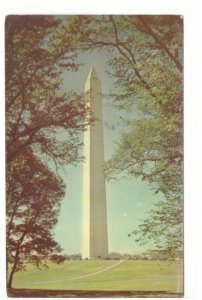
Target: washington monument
[95, 240]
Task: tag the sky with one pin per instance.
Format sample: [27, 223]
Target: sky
[128, 199]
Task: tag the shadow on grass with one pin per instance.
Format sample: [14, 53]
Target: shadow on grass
[28, 293]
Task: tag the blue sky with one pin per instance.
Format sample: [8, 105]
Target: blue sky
[128, 199]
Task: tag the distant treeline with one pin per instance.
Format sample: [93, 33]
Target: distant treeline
[149, 255]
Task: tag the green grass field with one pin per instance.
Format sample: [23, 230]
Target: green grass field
[100, 275]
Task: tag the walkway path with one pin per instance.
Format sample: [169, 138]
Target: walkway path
[78, 277]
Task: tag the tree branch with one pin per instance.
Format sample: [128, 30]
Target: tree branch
[131, 58]
[159, 41]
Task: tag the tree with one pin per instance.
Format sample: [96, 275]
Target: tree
[145, 54]
[33, 204]
[42, 125]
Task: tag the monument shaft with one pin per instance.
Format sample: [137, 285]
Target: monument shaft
[95, 240]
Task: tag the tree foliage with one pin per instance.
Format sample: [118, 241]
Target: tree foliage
[146, 57]
[37, 112]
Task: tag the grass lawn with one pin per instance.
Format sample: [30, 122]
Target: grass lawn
[126, 276]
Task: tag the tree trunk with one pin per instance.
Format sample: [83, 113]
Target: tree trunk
[9, 284]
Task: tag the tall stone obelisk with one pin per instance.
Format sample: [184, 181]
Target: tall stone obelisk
[95, 236]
